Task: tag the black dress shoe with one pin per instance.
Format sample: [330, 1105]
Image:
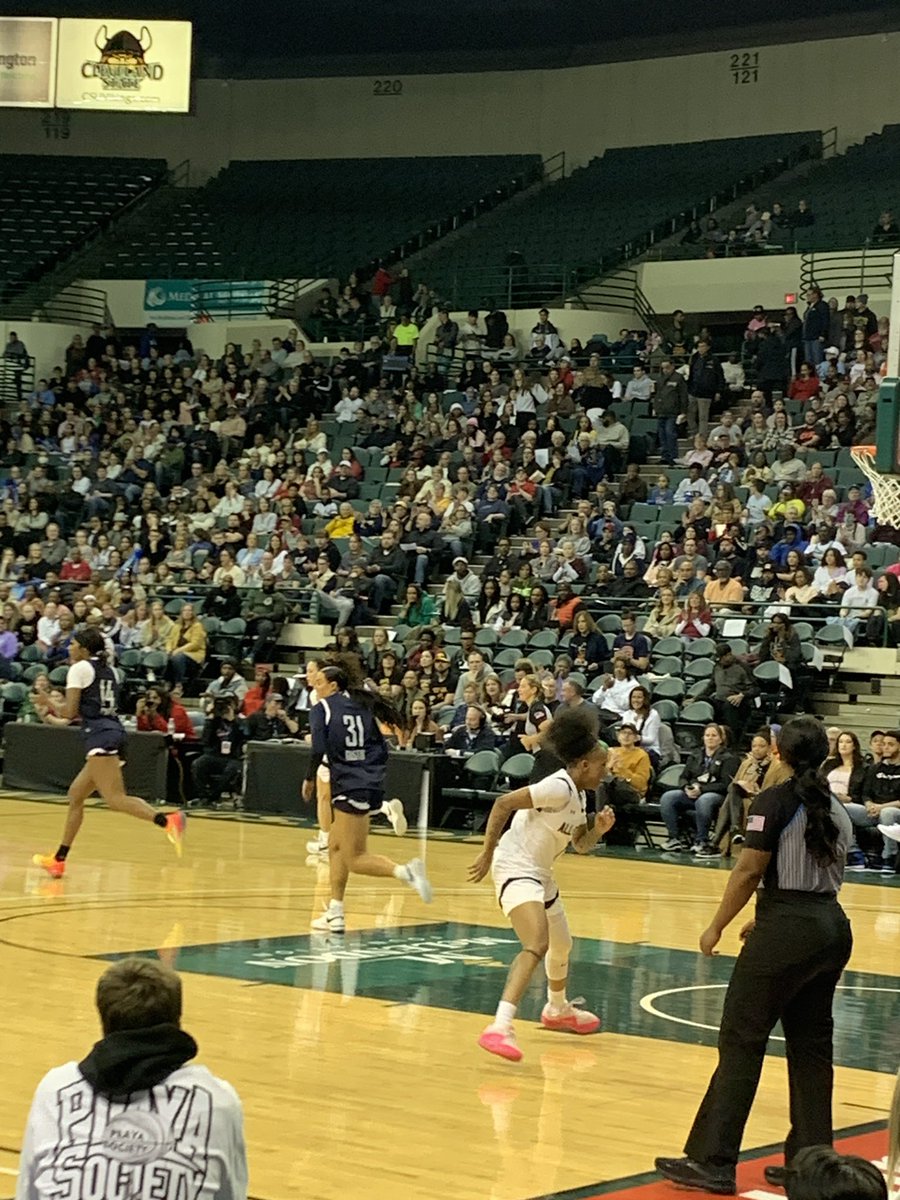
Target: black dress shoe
[700, 1176]
[777, 1176]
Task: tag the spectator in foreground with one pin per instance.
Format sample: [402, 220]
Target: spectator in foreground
[820, 1173]
[110, 1099]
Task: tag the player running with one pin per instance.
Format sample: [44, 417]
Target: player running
[392, 809]
[546, 817]
[345, 728]
[91, 696]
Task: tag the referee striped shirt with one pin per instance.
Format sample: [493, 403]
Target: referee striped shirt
[777, 824]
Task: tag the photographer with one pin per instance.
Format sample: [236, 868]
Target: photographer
[156, 709]
[271, 721]
[219, 768]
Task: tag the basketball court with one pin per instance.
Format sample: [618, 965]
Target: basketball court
[356, 1059]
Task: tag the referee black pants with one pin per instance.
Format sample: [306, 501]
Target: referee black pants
[787, 971]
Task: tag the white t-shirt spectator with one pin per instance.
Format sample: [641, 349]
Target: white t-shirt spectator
[348, 408]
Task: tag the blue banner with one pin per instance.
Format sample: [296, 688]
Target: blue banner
[172, 296]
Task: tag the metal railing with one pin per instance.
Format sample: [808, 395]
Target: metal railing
[754, 613]
[15, 383]
[34, 299]
[519, 283]
[76, 304]
[230, 298]
[862, 269]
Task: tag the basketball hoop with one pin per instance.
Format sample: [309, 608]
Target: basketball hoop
[885, 488]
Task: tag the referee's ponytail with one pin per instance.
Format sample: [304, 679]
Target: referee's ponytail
[803, 745]
[347, 674]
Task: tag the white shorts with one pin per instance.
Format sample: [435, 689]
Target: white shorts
[323, 773]
[514, 888]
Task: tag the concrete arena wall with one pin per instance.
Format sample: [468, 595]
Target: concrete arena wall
[581, 110]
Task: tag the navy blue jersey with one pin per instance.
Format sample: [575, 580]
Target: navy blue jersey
[348, 735]
[99, 695]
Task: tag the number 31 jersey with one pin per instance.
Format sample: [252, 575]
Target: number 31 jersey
[348, 735]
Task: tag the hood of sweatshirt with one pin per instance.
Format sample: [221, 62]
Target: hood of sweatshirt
[133, 1060]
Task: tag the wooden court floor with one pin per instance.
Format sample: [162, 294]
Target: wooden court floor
[357, 1063]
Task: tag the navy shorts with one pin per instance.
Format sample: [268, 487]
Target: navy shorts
[358, 804]
[105, 742]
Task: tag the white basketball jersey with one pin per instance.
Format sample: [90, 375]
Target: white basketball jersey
[540, 834]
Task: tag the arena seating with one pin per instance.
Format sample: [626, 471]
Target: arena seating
[313, 217]
[50, 206]
[587, 218]
[846, 193]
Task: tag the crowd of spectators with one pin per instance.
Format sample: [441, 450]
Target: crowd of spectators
[176, 500]
[756, 228]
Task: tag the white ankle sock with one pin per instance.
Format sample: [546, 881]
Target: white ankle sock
[557, 999]
[323, 837]
[503, 1019]
[402, 871]
[336, 907]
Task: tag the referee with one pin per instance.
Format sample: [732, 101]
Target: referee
[798, 835]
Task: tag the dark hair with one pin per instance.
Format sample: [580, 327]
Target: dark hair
[92, 640]
[349, 678]
[820, 1173]
[165, 698]
[574, 733]
[803, 745]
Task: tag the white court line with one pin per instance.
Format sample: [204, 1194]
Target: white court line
[8, 1171]
[647, 1002]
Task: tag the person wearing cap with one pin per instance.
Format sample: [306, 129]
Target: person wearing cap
[758, 320]
[629, 761]
[469, 582]
[830, 361]
[863, 317]
[724, 590]
[228, 682]
[733, 690]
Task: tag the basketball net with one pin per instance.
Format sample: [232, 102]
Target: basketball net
[885, 488]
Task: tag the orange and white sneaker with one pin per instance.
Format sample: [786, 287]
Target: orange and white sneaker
[570, 1018]
[54, 867]
[175, 825]
[501, 1042]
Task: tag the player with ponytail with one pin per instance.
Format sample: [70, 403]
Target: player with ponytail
[345, 726]
[546, 817]
[796, 845]
[91, 700]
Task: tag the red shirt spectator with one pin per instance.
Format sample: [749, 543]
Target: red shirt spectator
[150, 719]
[75, 569]
[805, 385]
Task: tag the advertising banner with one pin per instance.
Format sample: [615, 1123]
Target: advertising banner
[27, 62]
[173, 297]
[110, 64]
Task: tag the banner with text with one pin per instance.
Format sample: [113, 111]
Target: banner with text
[130, 66]
[27, 62]
[171, 297]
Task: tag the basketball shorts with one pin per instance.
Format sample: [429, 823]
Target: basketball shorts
[515, 889]
[105, 743]
[358, 804]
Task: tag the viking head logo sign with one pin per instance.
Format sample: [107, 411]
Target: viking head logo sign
[123, 60]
